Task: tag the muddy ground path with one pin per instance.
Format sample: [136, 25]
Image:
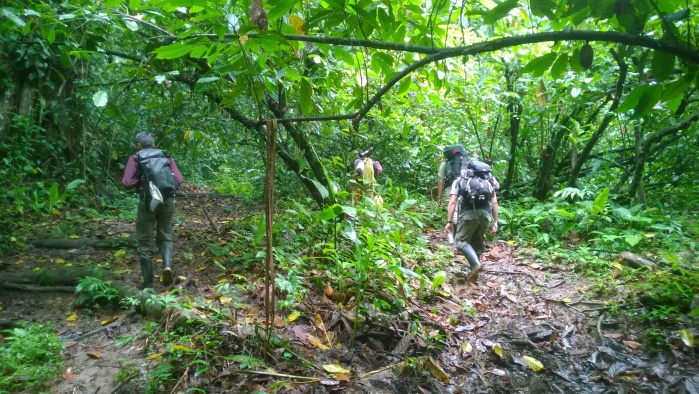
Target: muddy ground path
[527, 326]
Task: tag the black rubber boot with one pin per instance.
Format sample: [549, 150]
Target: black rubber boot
[166, 254]
[147, 272]
[472, 258]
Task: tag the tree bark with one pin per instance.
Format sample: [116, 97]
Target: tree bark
[514, 109]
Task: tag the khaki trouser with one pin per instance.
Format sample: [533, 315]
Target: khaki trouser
[471, 228]
[147, 222]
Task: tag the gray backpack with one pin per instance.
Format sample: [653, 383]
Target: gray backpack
[156, 172]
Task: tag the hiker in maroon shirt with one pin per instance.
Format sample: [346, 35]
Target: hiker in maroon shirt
[148, 220]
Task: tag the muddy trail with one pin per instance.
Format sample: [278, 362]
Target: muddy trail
[526, 326]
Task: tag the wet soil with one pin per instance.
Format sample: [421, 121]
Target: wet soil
[526, 326]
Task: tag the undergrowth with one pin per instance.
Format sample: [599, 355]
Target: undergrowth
[29, 358]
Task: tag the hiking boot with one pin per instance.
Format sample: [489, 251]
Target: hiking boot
[166, 254]
[473, 276]
[472, 258]
[146, 272]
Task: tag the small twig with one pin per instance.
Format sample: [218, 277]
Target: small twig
[523, 342]
[599, 326]
[211, 222]
[266, 373]
[96, 331]
[180, 380]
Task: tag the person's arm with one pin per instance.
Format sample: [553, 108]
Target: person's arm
[494, 204]
[176, 171]
[132, 176]
[450, 213]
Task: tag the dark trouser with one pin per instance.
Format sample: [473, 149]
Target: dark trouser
[160, 221]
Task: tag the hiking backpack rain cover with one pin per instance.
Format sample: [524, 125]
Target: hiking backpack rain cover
[155, 170]
[478, 185]
[457, 160]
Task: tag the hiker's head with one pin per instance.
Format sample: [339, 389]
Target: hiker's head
[144, 140]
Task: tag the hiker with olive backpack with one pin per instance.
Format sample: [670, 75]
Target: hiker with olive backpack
[157, 177]
[475, 191]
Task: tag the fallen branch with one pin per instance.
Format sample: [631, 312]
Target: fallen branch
[211, 222]
[38, 289]
[635, 261]
[111, 243]
[265, 373]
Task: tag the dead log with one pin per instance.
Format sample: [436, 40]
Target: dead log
[635, 261]
[83, 243]
[38, 289]
[145, 302]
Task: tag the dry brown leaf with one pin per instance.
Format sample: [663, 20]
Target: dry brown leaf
[492, 285]
[542, 98]
[614, 335]
[633, 345]
[341, 377]
[511, 297]
[279, 321]
[94, 354]
[329, 290]
[68, 374]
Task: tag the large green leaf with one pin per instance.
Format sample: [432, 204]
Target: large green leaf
[13, 17]
[280, 9]
[675, 89]
[538, 65]
[173, 51]
[499, 11]
[631, 100]
[647, 101]
[306, 98]
[404, 86]
[662, 65]
[559, 66]
[600, 201]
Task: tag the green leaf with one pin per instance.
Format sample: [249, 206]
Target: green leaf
[600, 201]
[324, 193]
[631, 100]
[100, 98]
[281, 9]
[677, 16]
[601, 9]
[75, 183]
[328, 213]
[499, 11]
[13, 17]
[632, 239]
[208, 79]
[306, 98]
[404, 86]
[439, 278]
[173, 51]
[559, 66]
[649, 98]
[675, 89]
[663, 65]
[533, 363]
[543, 8]
[343, 55]
[538, 65]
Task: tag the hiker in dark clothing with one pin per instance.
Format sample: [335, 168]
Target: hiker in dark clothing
[160, 219]
[473, 222]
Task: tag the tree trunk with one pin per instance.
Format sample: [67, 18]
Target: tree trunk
[543, 182]
[584, 155]
[514, 110]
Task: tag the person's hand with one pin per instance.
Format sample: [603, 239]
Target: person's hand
[494, 229]
[449, 227]
[439, 202]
